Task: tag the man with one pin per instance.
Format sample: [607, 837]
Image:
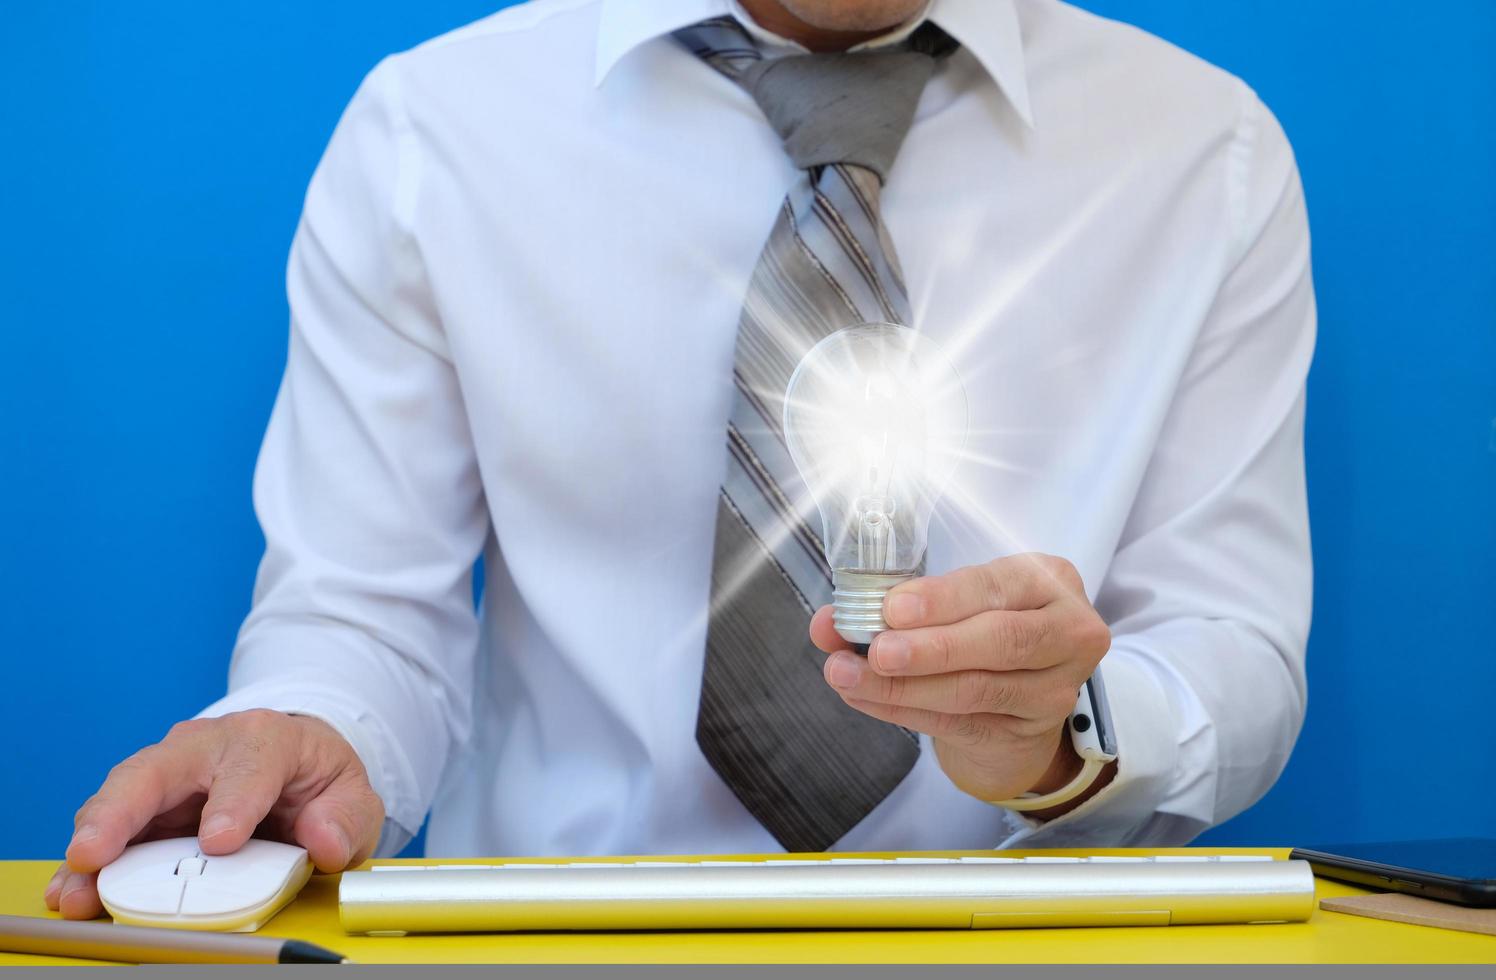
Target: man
[530, 267]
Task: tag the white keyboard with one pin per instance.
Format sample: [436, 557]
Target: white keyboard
[912, 892]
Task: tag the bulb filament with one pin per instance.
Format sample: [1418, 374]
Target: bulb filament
[877, 544]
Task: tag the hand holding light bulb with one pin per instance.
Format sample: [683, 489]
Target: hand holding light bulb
[986, 660]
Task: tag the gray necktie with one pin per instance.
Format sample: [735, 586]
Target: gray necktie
[807, 766]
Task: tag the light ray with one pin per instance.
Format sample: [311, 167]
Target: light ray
[735, 578]
[997, 463]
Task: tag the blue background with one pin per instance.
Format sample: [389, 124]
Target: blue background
[153, 159]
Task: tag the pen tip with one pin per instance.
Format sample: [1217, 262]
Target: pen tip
[296, 951]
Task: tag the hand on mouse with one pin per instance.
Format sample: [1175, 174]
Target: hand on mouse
[292, 776]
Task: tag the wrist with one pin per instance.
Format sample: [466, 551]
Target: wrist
[1088, 735]
[1064, 765]
[1103, 779]
[1072, 775]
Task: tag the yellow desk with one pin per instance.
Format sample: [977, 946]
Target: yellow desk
[1328, 937]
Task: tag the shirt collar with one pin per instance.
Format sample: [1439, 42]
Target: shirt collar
[987, 28]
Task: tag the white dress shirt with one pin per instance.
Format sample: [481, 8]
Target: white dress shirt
[514, 294]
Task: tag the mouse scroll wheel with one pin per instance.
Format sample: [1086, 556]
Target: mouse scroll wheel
[191, 866]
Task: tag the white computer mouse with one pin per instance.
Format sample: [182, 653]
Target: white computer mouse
[173, 883]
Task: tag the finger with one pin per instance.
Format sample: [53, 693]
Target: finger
[79, 897]
[962, 731]
[823, 632]
[154, 779]
[1032, 639]
[1027, 694]
[53, 891]
[181, 820]
[965, 731]
[341, 827]
[1028, 581]
[245, 784]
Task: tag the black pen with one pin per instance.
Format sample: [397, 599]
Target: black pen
[138, 944]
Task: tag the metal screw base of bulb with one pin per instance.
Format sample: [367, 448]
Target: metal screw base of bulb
[857, 603]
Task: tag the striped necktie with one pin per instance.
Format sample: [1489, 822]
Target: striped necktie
[806, 765]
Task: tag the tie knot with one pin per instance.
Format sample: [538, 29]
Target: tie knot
[845, 107]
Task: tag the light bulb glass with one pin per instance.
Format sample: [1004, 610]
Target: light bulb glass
[875, 420]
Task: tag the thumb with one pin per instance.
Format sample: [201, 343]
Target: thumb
[340, 827]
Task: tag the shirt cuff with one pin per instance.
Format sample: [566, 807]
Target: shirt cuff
[1147, 759]
[361, 731]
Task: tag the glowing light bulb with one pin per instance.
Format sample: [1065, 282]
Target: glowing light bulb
[875, 420]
